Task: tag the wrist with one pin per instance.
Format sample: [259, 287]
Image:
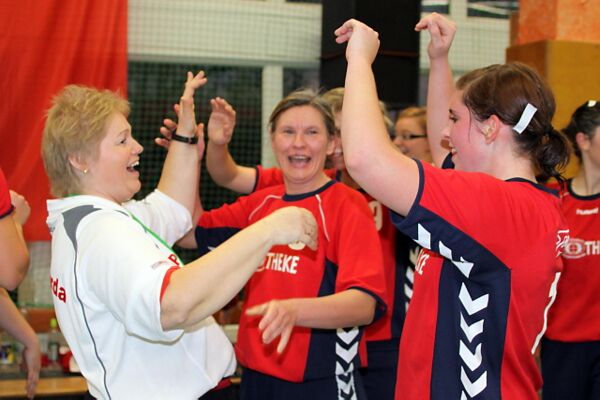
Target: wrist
[184, 139]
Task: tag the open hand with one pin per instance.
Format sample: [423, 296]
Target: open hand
[221, 122]
[278, 320]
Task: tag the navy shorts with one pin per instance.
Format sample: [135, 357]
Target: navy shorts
[258, 386]
[571, 370]
[379, 377]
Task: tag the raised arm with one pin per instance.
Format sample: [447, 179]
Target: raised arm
[181, 171]
[14, 262]
[15, 324]
[220, 164]
[205, 285]
[441, 85]
[371, 158]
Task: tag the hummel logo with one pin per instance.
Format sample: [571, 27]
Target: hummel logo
[586, 212]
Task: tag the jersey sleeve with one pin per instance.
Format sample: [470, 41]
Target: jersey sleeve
[357, 251]
[125, 271]
[267, 177]
[5, 205]
[447, 213]
[164, 216]
[218, 225]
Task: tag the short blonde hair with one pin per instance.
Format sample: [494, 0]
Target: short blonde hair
[76, 123]
[418, 113]
[335, 98]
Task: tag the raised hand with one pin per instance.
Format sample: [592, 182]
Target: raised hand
[291, 225]
[221, 122]
[441, 33]
[278, 320]
[22, 209]
[363, 42]
[186, 119]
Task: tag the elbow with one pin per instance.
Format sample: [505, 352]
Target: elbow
[367, 317]
[172, 315]
[367, 310]
[356, 165]
[18, 274]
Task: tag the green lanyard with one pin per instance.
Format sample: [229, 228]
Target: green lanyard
[151, 232]
[147, 230]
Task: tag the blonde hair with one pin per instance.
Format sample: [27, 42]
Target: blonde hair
[418, 113]
[76, 123]
[335, 98]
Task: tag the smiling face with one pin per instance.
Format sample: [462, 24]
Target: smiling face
[467, 143]
[111, 174]
[411, 138]
[301, 143]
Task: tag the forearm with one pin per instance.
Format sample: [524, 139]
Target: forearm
[349, 308]
[440, 89]
[205, 285]
[14, 323]
[226, 172]
[181, 174]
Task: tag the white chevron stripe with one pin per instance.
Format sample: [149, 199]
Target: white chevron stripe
[473, 388]
[424, 237]
[473, 360]
[463, 396]
[408, 291]
[472, 305]
[339, 369]
[346, 355]
[347, 336]
[445, 251]
[464, 266]
[410, 274]
[345, 388]
[471, 330]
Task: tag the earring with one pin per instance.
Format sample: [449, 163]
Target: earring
[85, 171]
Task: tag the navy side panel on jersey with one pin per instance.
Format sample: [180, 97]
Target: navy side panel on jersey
[344, 341]
[209, 238]
[473, 302]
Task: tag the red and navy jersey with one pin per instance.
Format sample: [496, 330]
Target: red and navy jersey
[397, 250]
[575, 315]
[267, 177]
[483, 287]
[348, 257]
[6, 206]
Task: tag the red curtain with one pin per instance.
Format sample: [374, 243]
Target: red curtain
[45, 45]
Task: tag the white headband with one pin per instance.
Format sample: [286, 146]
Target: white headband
[525, 119]
[591, 103]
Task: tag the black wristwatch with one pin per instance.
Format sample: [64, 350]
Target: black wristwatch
[184, 139]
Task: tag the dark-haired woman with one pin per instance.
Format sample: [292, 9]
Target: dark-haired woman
[492, 233]
[571, 347]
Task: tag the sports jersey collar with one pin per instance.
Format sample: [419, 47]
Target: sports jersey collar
[578, 196]
[553, 192]
[296, 197]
